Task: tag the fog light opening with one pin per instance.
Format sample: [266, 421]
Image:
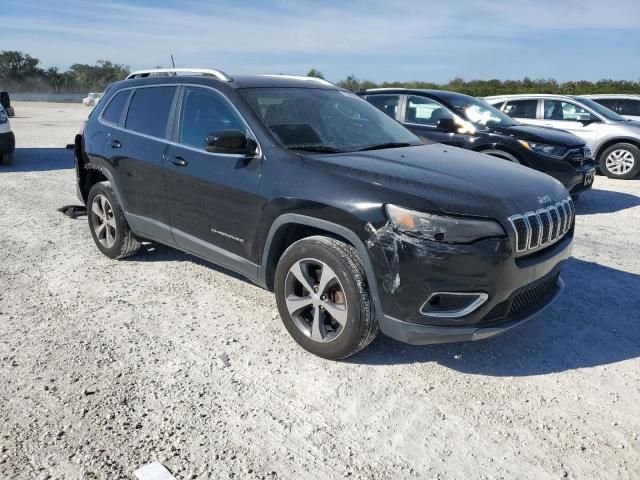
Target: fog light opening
[453, 304]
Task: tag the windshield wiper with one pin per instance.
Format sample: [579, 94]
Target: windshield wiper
[315, 148]
[382, 146]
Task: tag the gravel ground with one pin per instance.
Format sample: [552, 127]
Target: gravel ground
[108, 365]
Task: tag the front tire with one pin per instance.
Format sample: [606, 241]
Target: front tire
[6, 158]
[109, 228]
[621, 161]
[323, 297]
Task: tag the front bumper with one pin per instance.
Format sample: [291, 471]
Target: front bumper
[576, 174]
[7, 142]
[518, 288]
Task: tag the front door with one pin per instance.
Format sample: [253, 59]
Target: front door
[421, 116]
[213, 199]
[571, 118]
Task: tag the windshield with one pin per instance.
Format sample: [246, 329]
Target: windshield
[326, 121]
[604, 111]
[480, 112]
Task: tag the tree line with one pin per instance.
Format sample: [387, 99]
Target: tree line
[20, 72]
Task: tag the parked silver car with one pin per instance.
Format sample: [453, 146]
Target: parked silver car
[613, 139]
[626, 105]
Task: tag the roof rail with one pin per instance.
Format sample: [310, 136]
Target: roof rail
[296, 77]
[160, 72]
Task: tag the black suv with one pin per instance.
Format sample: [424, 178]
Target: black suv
[310, 191]
[468, 122]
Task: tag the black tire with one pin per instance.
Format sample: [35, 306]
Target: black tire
[631, 154]
[124, 242]
[5, 101]
[501, 154]
[361, 326]
[6, 158]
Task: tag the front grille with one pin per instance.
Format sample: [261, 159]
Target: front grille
[578, 155]
[543, 227]
[526, 299]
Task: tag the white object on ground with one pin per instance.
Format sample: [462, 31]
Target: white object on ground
[153, 471]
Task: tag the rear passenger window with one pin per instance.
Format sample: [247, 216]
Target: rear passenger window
[630, 107]
[113, 112]
[521, 108]
[205, 111]
[149, 110]
[387, 103]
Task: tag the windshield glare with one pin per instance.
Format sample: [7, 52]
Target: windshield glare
[480, 112]
[604, 111]
[325, 120]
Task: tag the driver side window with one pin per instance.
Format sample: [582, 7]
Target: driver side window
[558, 110]
[205, 111]
[424, 111]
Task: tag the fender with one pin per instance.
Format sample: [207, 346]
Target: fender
[339, 230]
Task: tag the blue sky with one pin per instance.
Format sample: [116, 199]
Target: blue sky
[371, 39]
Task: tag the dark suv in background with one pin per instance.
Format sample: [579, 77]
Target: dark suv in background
[468, 122]
[310, 191]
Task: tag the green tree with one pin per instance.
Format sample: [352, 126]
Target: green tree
[315, 73]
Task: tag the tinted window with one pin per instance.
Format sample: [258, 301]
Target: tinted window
[521, 108]
[387, 103]
[149, 110]
[610, 103]
[113, 112]
[205, 111]
[629, 107]
[425, 111]
[558, 110]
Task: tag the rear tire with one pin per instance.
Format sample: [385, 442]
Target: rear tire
[109, 228]
[621, 161]
[323, 297]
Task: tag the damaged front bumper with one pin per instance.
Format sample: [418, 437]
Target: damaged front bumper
[411, 271]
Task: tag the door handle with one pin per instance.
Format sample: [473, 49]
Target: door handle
[179, 161]
[116, 144]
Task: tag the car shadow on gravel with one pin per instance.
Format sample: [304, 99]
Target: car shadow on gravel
[595, 322]
[605, 201]
[155, 252]
[39, 160]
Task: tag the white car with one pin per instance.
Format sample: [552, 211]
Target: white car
[7, 139]
[92, 99]
[626, 105]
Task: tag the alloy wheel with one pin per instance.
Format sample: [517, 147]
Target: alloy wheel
[620, 162]
[104, 222]
[316, 300]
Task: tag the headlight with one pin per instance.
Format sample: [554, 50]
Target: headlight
[542, 149]
[441, 228]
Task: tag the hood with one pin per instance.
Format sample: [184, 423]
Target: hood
[457, 181]
[549, 136]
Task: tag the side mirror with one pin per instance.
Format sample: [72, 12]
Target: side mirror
[230, 142]
[585, 119]
[448, 125]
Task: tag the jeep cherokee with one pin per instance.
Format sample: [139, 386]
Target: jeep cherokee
[310, 191]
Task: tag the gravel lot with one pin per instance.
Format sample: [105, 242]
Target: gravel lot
[108, 365]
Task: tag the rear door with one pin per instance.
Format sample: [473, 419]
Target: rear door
[568, 116]
[213, 198]
[136, 150]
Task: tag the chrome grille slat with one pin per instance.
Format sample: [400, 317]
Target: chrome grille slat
[545, 226]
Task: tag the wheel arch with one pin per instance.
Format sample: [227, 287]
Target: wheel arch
[291, 227]
[491, 149]
[612, 142]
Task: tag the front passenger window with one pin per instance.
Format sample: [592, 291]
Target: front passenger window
[424, 111]
[205, 111]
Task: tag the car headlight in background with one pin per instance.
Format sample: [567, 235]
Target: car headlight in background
[442, 228]
[543, 149]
